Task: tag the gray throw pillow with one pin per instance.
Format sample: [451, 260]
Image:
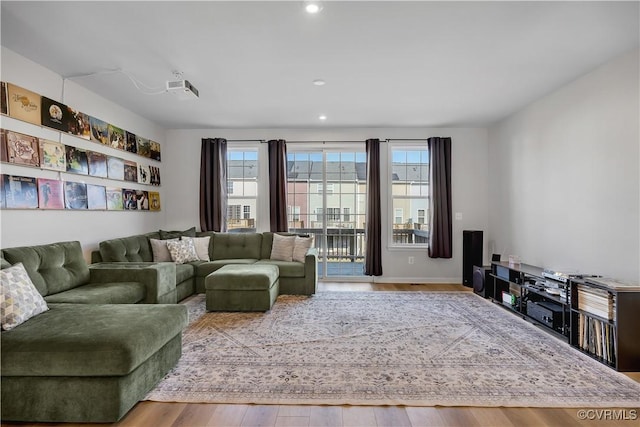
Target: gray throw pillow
[160, 250]
[301, 247]
[282, 247]
[19, 298]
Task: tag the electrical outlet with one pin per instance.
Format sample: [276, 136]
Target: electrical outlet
[411, 260]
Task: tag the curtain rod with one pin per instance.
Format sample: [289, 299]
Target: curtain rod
[342, 140]
[246, 140]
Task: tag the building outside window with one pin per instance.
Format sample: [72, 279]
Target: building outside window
[242, 189]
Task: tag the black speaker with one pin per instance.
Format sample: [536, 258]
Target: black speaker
[471, 254]
[482, 281]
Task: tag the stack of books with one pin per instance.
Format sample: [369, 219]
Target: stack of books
[596, 301]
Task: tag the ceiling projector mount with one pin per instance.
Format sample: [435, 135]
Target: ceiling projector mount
[181, 87]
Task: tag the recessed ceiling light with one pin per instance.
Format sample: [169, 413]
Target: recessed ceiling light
[312, 7]
[319, 82]
[322, 117]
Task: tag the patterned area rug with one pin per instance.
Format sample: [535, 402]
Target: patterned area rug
[384, 348]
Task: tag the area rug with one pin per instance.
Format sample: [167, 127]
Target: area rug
[385, 348]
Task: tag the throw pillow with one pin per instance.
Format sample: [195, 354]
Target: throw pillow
[182, 251]
[282, 247]
[165, 235]
[19, 298]
[202, 246]
[300, 248]
[160, 250]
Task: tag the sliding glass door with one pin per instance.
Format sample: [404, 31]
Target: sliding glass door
[327, 198]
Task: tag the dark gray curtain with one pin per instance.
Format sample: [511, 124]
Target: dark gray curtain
[278, 185]
[373, 236]
[213, 184]
[440, 233]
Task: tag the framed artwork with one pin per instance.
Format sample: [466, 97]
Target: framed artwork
[154, 201]
[96, 197]
[130, 144]
[4, 100]
[52, 155]
[114, 199]
[54, 114]
[99, 131]
[21, 192]
[76, 160]
[78, 124]
[144, 146]
[24, 104]
[154, 150]
[75, 195]
[115, 168]
[22, 149]
[116, 137]
[129, 199]
[97, 164]
[130, 171]
[50, 194]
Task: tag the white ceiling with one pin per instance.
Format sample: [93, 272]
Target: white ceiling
[386, 64]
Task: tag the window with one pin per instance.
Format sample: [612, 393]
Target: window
[242, 189]
[409, 182]
[346, 217]
[321, 188]
[333, 214]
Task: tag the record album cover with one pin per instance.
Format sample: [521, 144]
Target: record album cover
[144, 146]
[154, 171]
[50, 194]
[99, 130]
[3, 198]
[22, 149]
[154, 201]
[130, 144]
[52, 155]
[21, 192]
[144, 174]
[114, 199]
[97, 164]
[154, 150]
[24, 104]
[4, 100]
[96, 197]
[54, 114]
[115, 168]
[3, 146]
[129, 199]
[78, 124]
[116, 137]
[76, 160]
[75, 195]
[130, 171]
[142, 199]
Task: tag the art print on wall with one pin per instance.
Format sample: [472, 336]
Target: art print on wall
[96, 197]
[4, 99]
[154, 171]
[154, 201]
[78, 124]
[54, 114]
[22, 149]
[97, 164]
[50, 194]
[131, 144]
[144, 174]
[129, 199]
[24, 104]
[75, 195]
[115, 168]
[114, 199]
[3, 146]
[130, 171]
[52, 155]
[144, 146]
[21, 192]
[116, 137]
[76, 160]
[142, 200]
[154, 150]
[99, 131]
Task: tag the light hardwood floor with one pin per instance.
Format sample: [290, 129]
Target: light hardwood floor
[156, 414]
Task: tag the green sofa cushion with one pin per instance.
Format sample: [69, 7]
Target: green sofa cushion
[127, 249]
[240, 277]
[102, 293]
[89, 339]
[184, 272]
[53, 268]
[165, 235]
[209, 267]
[236, 245]
[287, 268]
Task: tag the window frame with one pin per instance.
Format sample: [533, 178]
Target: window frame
[243, 199]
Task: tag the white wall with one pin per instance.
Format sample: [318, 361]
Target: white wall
[29, 227]
[564, 176]
[469, 182]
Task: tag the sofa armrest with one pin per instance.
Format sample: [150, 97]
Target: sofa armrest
[158, 278]
[311, 271]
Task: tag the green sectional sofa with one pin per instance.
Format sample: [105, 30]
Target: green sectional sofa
[99, 348]
[296, 278]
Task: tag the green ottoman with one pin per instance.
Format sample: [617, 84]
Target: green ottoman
[239, 287]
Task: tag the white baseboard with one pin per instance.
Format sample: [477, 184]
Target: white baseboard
[418, 280]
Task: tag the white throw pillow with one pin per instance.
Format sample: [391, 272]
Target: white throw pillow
[202, 246]
[282, 247]
[182, 251]
[300, 248]
[160, 250]
[19, 298]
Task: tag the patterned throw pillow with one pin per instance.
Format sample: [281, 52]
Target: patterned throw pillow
[160, 250]
[300, 248]
[202, 246]
[19, 298]
[182, 251]
[282, 247]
